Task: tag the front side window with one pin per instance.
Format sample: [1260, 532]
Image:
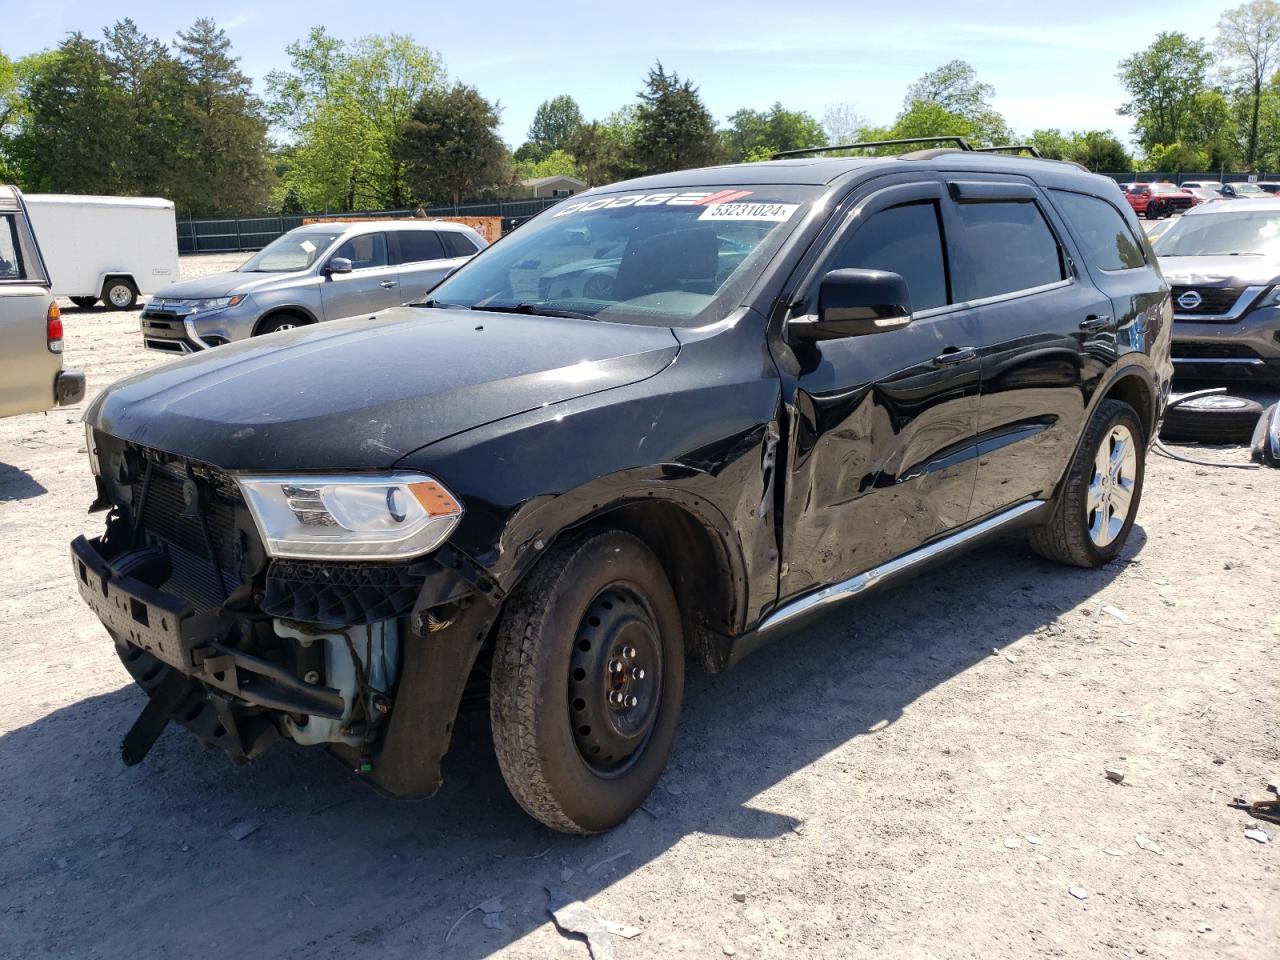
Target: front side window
[905, 240]
[11, 267]
[296, 250]
[1107, 240]
[1007, 246]
[365, 251]
[457, 244]
[676, 257]
[417, 246]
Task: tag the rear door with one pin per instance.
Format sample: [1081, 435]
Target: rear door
[881, 457]
[1045, 335]
[422, 262]
[373, 283]
[27, 367]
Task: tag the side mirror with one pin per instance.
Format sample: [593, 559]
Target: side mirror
[338, 265]
[854, 303]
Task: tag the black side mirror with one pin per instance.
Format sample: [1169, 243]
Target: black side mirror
[338, 265]
[854, 303]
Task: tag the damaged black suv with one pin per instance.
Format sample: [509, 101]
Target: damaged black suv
[662, 423]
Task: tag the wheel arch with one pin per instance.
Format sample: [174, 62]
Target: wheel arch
[290, 309]
[109, 276]
[1135, 386]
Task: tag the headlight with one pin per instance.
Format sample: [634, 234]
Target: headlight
[1271, 298]
[209, 304]
[388, 517]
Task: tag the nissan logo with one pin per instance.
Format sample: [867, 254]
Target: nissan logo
[1190, 300]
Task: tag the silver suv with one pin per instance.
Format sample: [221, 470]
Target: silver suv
[1223, 262]
[318, 272]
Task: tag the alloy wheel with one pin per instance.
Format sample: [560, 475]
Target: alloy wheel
[1111, 488]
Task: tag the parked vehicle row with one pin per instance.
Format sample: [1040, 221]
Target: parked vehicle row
[663, 422]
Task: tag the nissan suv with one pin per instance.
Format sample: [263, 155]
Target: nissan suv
[320, 271]
[1223, 260]
[789, 384]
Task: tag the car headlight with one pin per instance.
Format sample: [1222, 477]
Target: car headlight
[1271, 298]
[344, 516]
[209, 304]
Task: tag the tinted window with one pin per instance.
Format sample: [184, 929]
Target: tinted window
[419, 245]
[457, 244]
[1106, 238]
[10, 255]
[1009, 247]
[367, 250]
[904, 240]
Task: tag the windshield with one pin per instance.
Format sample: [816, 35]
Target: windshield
[660, 257]
[1252, 189]
[1234, 233]
[296, 250]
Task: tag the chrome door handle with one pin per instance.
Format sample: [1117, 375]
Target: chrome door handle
[1095, 321]
[958, 355]
[387, 283]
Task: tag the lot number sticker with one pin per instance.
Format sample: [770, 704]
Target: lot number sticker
[767, 212]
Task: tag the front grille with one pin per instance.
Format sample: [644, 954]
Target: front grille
[1211, 351]
[168, 346]
[1213, 300]
[202, 570]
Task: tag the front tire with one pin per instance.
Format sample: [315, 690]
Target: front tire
[1153, 211]
[281, 321]
[1101, 492]
[587, 682]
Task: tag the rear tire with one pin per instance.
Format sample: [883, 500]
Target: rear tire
[587, 682]
[1101, 492]
[84, 303]
[120, 294]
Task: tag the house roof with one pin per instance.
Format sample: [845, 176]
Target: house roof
[543, 181]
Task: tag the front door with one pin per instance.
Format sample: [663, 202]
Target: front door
[422, 262]
[372, 285]
[882, 455]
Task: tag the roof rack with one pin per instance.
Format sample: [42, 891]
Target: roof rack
[960, 143]
[1012, 148]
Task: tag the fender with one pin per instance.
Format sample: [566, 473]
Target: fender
[106, 275]
[286, 308]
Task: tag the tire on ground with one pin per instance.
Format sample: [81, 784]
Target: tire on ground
[1066, 537]
[1216, 418]
[84, 303]
[279, 321]
[119, 293]
[535, 730]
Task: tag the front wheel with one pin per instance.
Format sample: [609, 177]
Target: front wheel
[1100, 495]
[587, 682]
[1153, 211]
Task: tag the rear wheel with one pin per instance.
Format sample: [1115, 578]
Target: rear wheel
[120, 294]
[1101, 493]
[587, 682]
[84, 303]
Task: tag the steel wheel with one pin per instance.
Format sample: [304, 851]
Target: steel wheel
[1115, 474]
[120, 295]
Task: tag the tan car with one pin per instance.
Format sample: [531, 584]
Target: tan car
[31, 374]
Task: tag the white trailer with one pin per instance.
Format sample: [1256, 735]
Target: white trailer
[105, 248]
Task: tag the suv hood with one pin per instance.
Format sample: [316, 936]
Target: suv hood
[1220, 271]
[222, 285]
[362, 393]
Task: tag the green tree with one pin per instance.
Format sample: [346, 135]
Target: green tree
[1249, 39]
[451, 147]
[605, 149]
[224, 156]
[1052, 144]
[1100, 150]
[1173, 157]
[955, 89]
[1163, 82]
[761, 133]
[554, 124]
[674, 130]
[928, 118]
[558, 163]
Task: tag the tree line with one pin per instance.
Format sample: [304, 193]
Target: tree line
[376, 123]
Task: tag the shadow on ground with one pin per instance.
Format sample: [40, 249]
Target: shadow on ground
[17, 484]
[99, 860]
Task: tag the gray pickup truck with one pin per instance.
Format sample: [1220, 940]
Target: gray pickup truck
[31, 374]
[321, 271]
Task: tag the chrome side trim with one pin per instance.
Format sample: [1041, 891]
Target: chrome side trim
[1243, 303]
[837, 593]
[1248, 361]
[189, 325]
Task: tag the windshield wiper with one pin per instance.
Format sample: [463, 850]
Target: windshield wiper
[436, 305]
[533, 309]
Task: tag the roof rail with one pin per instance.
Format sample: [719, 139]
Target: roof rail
[960, 142]
[1012, 148]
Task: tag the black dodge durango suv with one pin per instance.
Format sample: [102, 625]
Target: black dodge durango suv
[660, 424]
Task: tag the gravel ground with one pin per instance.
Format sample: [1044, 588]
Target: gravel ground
[921, 775]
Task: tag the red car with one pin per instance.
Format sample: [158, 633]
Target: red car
[1156, 200]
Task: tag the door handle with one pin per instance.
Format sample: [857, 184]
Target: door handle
[1095, 321]
[956, 355]
[387, 283]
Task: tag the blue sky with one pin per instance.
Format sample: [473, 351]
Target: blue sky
[1049, 69]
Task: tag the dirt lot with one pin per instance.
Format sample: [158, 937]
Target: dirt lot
[919, 776]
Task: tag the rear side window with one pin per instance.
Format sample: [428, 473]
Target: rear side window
[905, 240]
[1009, 247]
[419, 245]
[1107, 240]
[11, 267]
[367, 250]
[457, 244]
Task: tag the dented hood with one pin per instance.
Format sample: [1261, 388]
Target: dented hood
[363, 392]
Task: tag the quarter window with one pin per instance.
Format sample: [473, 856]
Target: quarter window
[1009, 247]
[905, 240]
[1106, 238]
[457, 244]
[364, 251]
[10, 253]
[419, 245]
